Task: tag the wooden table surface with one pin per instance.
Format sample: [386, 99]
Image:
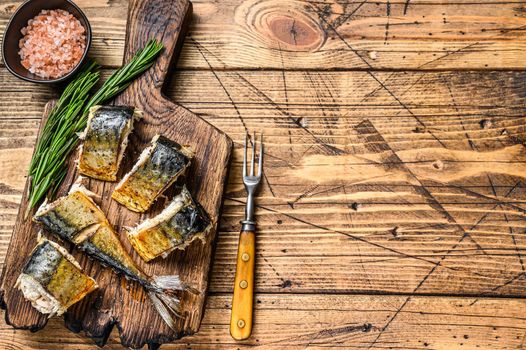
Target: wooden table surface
[392, 214]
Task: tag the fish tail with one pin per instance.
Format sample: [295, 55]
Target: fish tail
[166, 306]
[161, 293]
[171, 283]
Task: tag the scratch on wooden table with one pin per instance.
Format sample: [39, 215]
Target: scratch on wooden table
[326, 12]
[332, 149]
[510, 229]
[222, 85]
[285, 90]
[512, 234]
[329, 148]
[327, 333]
[494, 289]
[472, 147]
[286, 96]
[351, 224]
[387, 79]
[442, 258]
[434, 203]
[517, 185]
[302, 195]
[360, 239]
[462, 49]
[494, 200]
[283, 282]
[470, 142]
[320, 94]
[372, 75]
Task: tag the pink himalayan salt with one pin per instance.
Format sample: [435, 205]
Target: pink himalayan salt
[53, 43]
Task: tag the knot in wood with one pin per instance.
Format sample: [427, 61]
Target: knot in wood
[289, 26]
[294, 32]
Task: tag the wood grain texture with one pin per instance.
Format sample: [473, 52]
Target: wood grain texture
[331, 34]
[117, 301]
[312, 192]
[395, 164]
[271, 96]
[333, 321]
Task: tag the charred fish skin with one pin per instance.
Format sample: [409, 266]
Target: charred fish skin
[52, 280]
[180, 223]
[105, 140]
[158, 167]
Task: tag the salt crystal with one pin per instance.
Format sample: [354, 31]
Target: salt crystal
[53, 43]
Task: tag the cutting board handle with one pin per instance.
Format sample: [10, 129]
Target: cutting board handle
[164, 20]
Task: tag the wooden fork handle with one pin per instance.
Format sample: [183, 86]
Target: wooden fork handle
[242, 301]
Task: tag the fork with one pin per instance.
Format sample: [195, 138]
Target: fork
[242, 301]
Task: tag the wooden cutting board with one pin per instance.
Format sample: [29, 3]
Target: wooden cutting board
[119, 302]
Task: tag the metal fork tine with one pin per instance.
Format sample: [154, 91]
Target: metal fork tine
[245, 157]
[253, 155]
[260, 163]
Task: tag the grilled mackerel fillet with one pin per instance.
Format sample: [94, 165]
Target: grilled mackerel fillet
[52, 280]
[105, 140]
[77, 219]
[181, 222]
[158, 167]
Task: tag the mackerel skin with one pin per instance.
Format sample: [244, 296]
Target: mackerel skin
[52, 280]
[181, 222]
[105, 139]
[69, 216]
[105, 246]
[99, 241]
[158, 167]
[43, 263]
[77, 219]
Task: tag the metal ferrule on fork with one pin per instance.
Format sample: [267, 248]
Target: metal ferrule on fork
[247, 225]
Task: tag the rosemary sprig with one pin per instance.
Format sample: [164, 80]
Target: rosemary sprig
[123, 77]
[69, 116]
[45, 169]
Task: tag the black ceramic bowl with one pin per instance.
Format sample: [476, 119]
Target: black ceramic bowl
[12, 36]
